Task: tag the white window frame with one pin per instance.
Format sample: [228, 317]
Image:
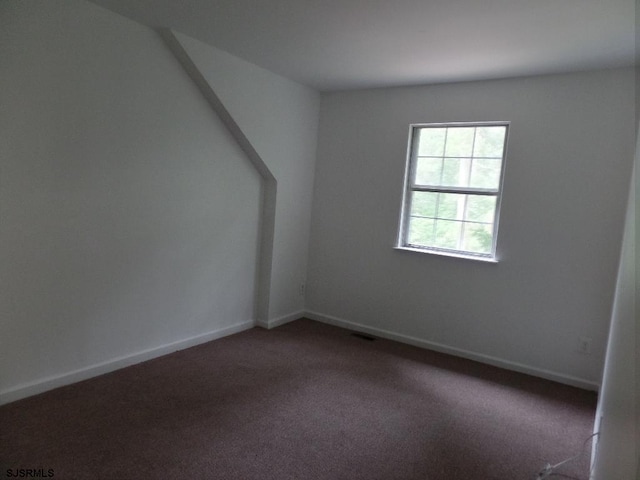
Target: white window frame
[409, 187]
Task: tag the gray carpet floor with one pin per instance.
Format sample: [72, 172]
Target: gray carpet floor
[304, 401]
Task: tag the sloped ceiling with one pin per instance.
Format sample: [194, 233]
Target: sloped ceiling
[343, 44]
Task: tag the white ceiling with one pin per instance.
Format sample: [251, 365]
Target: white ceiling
[341, 44]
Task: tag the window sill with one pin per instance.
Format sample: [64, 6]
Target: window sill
[443, 253]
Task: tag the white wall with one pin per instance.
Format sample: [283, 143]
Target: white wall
[635, 243]
[616, 453]
[280, 119]
[618, 415]
[570, 155]
[129, 216]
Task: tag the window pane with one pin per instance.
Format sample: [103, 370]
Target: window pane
[455, 172]
[485, 173]
[428, 171]
[447, 234]
[450, 206]
[420, 231]
[431, 142]
[480, 208]
[423, 204]
[447, 158]
[459, 142]
[489, 141]
[478, 238]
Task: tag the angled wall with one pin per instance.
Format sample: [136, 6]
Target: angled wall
[279, 117]
[129, 215]
[268, 187]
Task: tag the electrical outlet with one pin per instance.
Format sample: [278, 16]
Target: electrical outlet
[302, 290]
[584, 345]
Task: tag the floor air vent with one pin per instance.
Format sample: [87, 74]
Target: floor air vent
[362, 336]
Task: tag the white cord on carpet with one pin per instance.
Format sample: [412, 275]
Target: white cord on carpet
[548, 469]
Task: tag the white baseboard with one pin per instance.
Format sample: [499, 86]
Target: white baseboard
[276, 322]
[49, 383]
[458, 352]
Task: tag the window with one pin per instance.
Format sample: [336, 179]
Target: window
[452, 189]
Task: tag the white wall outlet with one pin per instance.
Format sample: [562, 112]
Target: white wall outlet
[584, 345]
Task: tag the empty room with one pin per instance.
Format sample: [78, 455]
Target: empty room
[305, 239]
